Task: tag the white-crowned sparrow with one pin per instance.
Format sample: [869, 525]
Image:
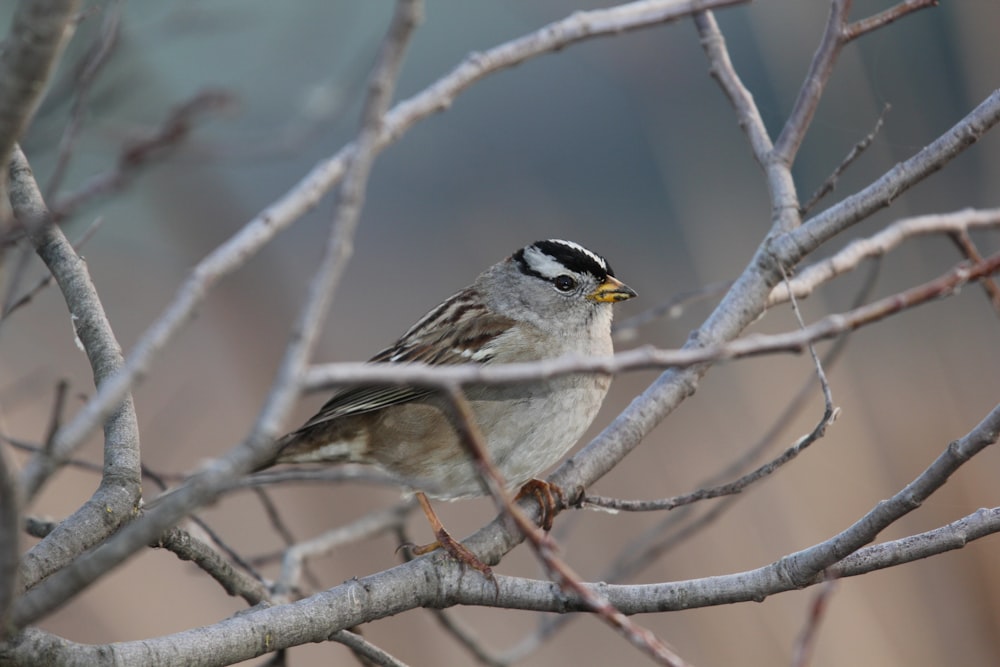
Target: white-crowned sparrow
[548, 299]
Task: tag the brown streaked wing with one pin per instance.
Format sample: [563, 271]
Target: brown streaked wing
[429, 348]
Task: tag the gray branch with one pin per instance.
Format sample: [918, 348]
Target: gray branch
[38, 32]
[438, 581]
[115, 499]
[10, 533]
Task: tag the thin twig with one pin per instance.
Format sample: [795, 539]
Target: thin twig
[235, 582]
[160, 479]
[39, 30]
[11, 304]
[186, 547]
[829, 411]
[807, 638]
[879, 244]
[884, 18]
[831, 182]
[59, 587]
[284, 532]
[722, 70]
[230, 552]
[731, 488]
[369, 526]
[139, 152]
[56, 416]
[673, 308]
[670, 532]
[259, 231]
[968, 248]
[792, 246]
[716, 486]
[118, 494]
[84, 78]
[543, 545]
[10, 542]
[467, 639]
[365, 650]
[831, 326]
[829, 415]
[777, 172]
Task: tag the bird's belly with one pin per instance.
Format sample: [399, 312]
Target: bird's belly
[547, 424]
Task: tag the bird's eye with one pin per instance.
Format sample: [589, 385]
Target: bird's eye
[564, 283]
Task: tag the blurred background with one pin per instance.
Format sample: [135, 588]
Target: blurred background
[623, 144]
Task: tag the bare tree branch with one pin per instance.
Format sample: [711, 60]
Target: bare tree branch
[116, 497]
[672, 530]
[831, 182]
[955, 535]
[11, 304]
[10, 542]
[671, 308]
[95, 61]
[799, 120]
[235, 582]
[722, 70]
[437, 582]
[366, 527]
[142, 151]
[50, 593]
[880, 194]
[803, 567]
[879, 244]
[831, 326]
[728, 489]
[38, 33]
[234, 253]
[884, 18]
[187, 547]
[778, 173]
[748, 297]
[371, 654]
[544, 546]
[393, 591]
[968, 248]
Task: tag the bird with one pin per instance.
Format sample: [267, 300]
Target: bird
[546, 300]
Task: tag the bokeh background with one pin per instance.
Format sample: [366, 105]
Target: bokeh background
[624, 144]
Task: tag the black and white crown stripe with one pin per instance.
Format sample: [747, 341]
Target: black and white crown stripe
[549, 259]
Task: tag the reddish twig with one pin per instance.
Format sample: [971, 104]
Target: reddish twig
[10, 543]
[884, 18]
[971, 252]
[831, 326]
[807, 638]
[877, 245]
[83, 79]
[141, 151]
[544, 546]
